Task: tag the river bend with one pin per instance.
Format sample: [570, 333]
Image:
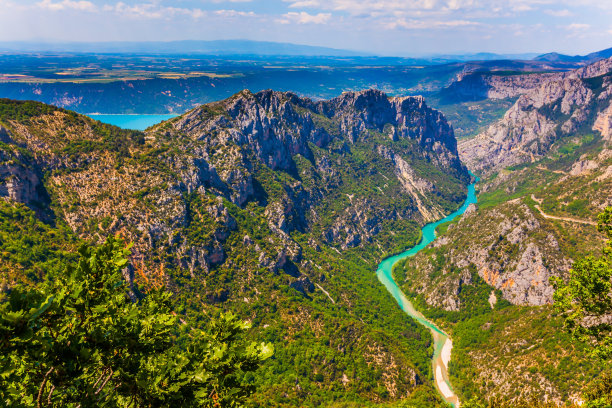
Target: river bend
[442, 342]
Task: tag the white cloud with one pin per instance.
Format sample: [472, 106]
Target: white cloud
[152, 11]
[578, 26]
[304, 3]
[304, 18]
[559, 13]
[80, 5]
[493, 7]
[414, 24]
[234, 13]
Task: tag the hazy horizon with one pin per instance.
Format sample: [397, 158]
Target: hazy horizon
[381, 27]
[42, 45]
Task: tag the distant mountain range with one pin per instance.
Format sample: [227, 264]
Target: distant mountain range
[480, 56]
[219, 47]
[589, 58]
[238, 48]
[269, 48]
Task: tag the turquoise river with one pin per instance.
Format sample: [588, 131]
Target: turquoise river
[442, 342]
[134, 122]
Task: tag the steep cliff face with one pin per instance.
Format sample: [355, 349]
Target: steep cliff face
[603, 124]
[278, 126]
[474, 86]
[323, 146]
[19, 180]
[556, 109]
[507, 246]
[489, 85]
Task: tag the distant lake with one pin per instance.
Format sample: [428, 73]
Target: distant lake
[135, 122]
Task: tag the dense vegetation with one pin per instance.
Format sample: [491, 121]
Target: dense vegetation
[85, 338]
[30, 248]
[342, 338]
[585, 300]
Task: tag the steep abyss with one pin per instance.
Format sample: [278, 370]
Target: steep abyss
[442, 342]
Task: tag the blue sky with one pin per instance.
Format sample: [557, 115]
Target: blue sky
[387, 27]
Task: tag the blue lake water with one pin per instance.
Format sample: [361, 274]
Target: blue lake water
[441, 339]
[134, 122]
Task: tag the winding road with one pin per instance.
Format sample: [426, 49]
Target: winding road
[552, 217]
[442, 342]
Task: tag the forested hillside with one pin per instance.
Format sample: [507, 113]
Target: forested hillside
[268, 205]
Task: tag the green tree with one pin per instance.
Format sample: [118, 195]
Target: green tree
[82, 339]
[585, 300]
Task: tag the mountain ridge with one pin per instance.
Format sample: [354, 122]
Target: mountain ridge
[531, 126]
[269, 205]
[589, 58]
[194, 47]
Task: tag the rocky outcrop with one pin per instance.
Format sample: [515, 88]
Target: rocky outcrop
[558, 108]
[599, 68]
[20, 177]
[418, 188]
[279, 125]
[236, 136]
[603, 124]
[504, 246]
[475, 86]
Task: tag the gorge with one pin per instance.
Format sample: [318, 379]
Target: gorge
[278, 208]
[442, 343]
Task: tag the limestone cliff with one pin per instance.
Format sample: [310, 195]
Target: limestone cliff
[507, 246]
[559, 107]
[472, 85]
[475, 86]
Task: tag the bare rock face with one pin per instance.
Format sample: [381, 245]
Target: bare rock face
[234, 137]
[20, 178]
[503, 246]
[417, 187]
[476, 86]
[557, 108]
[279, 125]
[596, 69]
[303, 285]
[603, 124]
[473, 86]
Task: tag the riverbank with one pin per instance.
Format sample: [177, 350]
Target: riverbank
[442, 343]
